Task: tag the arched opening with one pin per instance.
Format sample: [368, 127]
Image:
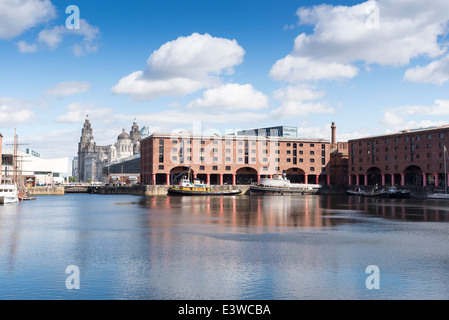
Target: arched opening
[178, 173]
[413, 176]
[246, 176]
[161, 178]
[397, 179]
[227, 179]
[295, 175]
[215, 179]
[374, 175]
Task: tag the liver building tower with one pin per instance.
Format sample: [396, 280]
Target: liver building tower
[92, 158]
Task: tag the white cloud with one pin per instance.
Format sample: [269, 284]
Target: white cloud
[231, 97]
[437, 72]
[299, 101]
[26, 48]
[399, 117]
[384, 32]
[77, 112]
[52, 37]
[67, 88]
[17, 16]
[182, 66]
[14, 111]
[296, 69]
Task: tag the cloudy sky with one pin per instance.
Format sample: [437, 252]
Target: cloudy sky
[372, 67]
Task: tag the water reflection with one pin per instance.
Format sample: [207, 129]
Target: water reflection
[239, 247]
[312, 211]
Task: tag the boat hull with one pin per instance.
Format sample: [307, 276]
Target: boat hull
[182, 192]
[399, 195]
[366, 193]
[443, 196]
[257, 190]
[8, 199]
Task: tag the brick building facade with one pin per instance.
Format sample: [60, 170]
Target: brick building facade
[409, 157]
[233, 159]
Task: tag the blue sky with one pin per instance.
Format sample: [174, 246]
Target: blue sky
[372, 67]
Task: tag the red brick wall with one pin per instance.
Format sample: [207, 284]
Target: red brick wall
[228, 155]
[393, 154]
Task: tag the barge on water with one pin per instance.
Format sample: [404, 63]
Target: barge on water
[280, 185]
[197, 188]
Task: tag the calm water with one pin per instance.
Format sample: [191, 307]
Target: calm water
[272, 247]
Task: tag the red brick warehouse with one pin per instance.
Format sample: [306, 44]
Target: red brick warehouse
[233, 159]
[409, 157]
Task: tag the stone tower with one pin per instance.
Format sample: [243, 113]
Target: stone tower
[85, 146]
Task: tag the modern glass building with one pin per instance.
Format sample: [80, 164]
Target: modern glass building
[280, 131]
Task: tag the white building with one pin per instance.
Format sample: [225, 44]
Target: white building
[36, 170]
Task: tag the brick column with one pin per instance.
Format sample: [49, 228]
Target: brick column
[317, 179]
[349, 179]
[167, 179]
[221, 179]
[366, 179]
[402, 179]
[436, 179]
[383, 179]
[153, 179]
[357, 180]
[328, 179]
[233, 179]
[424, 179]
[392, 179]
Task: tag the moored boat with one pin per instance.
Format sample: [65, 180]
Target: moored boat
[8, 193]
[442, 196]
[280, 185]
[367, 193]
[394, 192]
[197, 188]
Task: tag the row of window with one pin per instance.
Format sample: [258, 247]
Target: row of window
[406, 147]
[228, 168]
[240, 143]
[396, 167]
[240, 159]
[406, 139]
[253, 151]
[412, 157]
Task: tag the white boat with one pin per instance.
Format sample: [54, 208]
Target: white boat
[443, 196]
[281, 185]
[8, 193]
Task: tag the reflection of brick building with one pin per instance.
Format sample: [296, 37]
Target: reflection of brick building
[233, 159]
[339, 164]
[409, 157]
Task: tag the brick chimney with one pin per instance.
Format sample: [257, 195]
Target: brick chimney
[334, 136]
